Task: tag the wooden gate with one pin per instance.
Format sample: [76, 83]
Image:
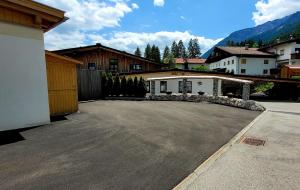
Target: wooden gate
[62, 84]
[89, 84]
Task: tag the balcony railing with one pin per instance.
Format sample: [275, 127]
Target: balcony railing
[295, 56]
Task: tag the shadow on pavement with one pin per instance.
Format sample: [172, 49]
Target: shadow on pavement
[9, 137]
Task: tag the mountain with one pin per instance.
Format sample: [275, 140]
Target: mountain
[266, 32]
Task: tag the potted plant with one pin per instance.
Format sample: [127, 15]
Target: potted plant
[169, 92]
[201, 93]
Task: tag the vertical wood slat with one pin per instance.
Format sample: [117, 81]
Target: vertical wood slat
[89, 84]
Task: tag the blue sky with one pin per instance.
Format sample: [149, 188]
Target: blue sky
[126, 24]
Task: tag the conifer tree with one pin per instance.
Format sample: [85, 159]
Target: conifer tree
[157, 57]
[117, 86]
[129, 86]
[174, 49]
[153, 52]
[138, 52]
[103, 85]
[109, 84]
[135, 86]
[181, 50]
[166, 53]
[123, 86]
[147, 53]
[142, 90]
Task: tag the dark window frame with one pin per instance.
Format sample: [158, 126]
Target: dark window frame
[136, 67]
[161, 84]
[243, 71]
[113, 65]
[266, 61]
[147, 83]
[93, 67]
[180, 86]
[267, 71]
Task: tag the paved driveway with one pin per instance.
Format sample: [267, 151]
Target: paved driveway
[120, 145]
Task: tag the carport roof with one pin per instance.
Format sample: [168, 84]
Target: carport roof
[202, 77]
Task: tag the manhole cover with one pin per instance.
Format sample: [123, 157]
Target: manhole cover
[253, 141]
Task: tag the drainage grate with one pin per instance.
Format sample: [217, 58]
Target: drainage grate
[253, 141]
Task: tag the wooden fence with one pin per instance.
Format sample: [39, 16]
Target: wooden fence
[89, 84]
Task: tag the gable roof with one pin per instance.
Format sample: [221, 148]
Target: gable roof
[190, 61]
[100, 46]
[31, 13]
[237, 51]
[280, 43]
[243, 51]
[68, 59]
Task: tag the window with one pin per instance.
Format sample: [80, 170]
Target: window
[147, 83]
[232, 61]
[163, 86]
[243, 71]
[297, 50]
[243, 61]
[228, 62]
[113, 64]
[265, 71]
[281, 52]
[266, 62]
[224, 63]
[92, 66]
[136, 67]
[189, 86]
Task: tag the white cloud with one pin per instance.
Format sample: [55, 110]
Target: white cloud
[267, 10]
[135, 6]
[128, 41]
[159, 3]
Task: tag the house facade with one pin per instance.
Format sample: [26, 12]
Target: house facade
[189, 64]
[99, 57]
[242, 61]
[288, 52]
[23, 77]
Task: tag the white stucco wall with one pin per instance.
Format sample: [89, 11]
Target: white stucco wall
[23, 80]
[288, 48]
[254, 66]
[173, 86]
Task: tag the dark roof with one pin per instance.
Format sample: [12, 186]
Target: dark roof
[281, 42]
[244, 51]
[100, 46]
[237, 51]
[190, 61]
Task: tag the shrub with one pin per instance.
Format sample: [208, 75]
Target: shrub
[264, 87]
[142, 90]
[129, 87]
[201, 68]
[123, 89]
[109, 85]
[103, 85]
[135, 88]
[117, 86]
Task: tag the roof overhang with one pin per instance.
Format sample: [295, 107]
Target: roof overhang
[67, 59]
[31, 13]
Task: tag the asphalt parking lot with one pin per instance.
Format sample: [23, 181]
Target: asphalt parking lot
[120, 145]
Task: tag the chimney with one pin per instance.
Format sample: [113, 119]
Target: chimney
[246, 46]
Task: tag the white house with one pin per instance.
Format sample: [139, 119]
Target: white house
[23, 79]
[209, 85]
[189, 64]
[288, 52]
[241, 61]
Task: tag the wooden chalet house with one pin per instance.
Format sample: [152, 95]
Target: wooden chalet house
[99, 57]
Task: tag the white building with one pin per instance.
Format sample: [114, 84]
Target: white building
[209, 85]
[288, 52]
[241, 61]
[189, 64]
[23, 79]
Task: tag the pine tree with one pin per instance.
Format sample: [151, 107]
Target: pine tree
[147, 53]
[142, 91]
[103, 85]
[181, 50]
[170, 61]
[109, 84]
[153, 53]
[166, 53]
[197, 49]
[191, 49]
[174, 49]
[138, 52]
[129, 86]
[157, 57]
[135, 86]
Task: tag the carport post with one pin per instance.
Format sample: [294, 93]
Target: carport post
[246, 91]
[216, 87]
[152, 89]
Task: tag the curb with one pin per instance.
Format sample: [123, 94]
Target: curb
[207, 163]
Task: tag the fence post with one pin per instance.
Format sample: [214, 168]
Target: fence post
[152, 89]
[215, 87]
[246, 91]
[184, 88]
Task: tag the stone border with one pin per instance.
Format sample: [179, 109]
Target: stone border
[223, 100]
